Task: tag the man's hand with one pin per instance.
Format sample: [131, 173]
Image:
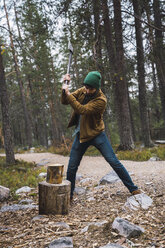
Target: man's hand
[67, 78]
[65, 86]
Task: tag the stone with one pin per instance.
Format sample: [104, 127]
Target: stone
[38, 217]
[78, 177]
[25, 189]
[16, 207]
[4, 193]
[62, 225]
[42, 174]
[111, 246]
[138, 201]
[109, 178]
[63, 242]
[43, 162]
[154, 159]
[79, 191]
[91, 199]
[32, 149]
[26, 201]
[86, 181]
[95, 226]
[127, 229]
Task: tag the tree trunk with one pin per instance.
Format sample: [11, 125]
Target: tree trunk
[159, 53]
[57, 138]
[141, 78]
[8, 138]
[120, 87]
[109, 39]
[25, 110]
[98, 55]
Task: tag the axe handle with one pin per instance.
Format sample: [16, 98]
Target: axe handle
[68, 69]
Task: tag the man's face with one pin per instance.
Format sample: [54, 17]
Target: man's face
[90, 90]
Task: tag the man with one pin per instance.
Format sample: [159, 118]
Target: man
[89, 104]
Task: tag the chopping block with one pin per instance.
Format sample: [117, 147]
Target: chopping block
[54, 193]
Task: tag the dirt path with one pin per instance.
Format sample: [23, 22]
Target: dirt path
[98, 167]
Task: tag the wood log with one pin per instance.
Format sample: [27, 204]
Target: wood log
[55, 173]
[54, 198]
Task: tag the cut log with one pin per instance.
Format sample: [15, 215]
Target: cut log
[55, 173]
[54, 198]
[160, 141]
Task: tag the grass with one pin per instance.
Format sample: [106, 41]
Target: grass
[143, 154]
[19, 175]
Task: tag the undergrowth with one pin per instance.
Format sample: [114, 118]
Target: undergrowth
[143, 154]
[18, 175]
[138, 154]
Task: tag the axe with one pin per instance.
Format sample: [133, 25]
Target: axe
[70, 59]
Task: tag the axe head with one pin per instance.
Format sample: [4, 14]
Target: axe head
[70, 47]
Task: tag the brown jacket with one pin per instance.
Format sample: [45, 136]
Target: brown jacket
[91, 123]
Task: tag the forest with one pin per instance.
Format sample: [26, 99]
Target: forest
[122, 39]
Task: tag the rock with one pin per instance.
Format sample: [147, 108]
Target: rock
[138, 201]
[64, 242]
[32, 149]
[25, 189]
[95, 226]
[26, 201]
[16, 207]
[149, 183]
[43, 162]
[154, 159]
[91, 199]
[5, 228]
[79, 191]
[111, 246]
[42, 174]
[4, 193]
[111, 177]
[62, 225]
[38, 217]
[126, 228]
[86, 181]
[78, 177]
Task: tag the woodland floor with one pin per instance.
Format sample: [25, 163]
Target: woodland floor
[19, 229]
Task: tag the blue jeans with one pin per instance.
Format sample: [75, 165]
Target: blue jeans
[102, 143]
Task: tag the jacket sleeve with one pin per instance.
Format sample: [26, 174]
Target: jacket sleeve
[92, 107]
[64, 98]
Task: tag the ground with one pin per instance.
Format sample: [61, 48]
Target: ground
[97, 204]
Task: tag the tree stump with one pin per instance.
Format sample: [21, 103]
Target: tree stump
[54, 198]
[55, 173]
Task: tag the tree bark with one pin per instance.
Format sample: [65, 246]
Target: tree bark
[98, 55]
[22, 93]
[159, 53]
[8, 138]
[120, 85]
[141, 78]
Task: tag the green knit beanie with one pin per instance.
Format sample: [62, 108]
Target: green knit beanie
[93, 79]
